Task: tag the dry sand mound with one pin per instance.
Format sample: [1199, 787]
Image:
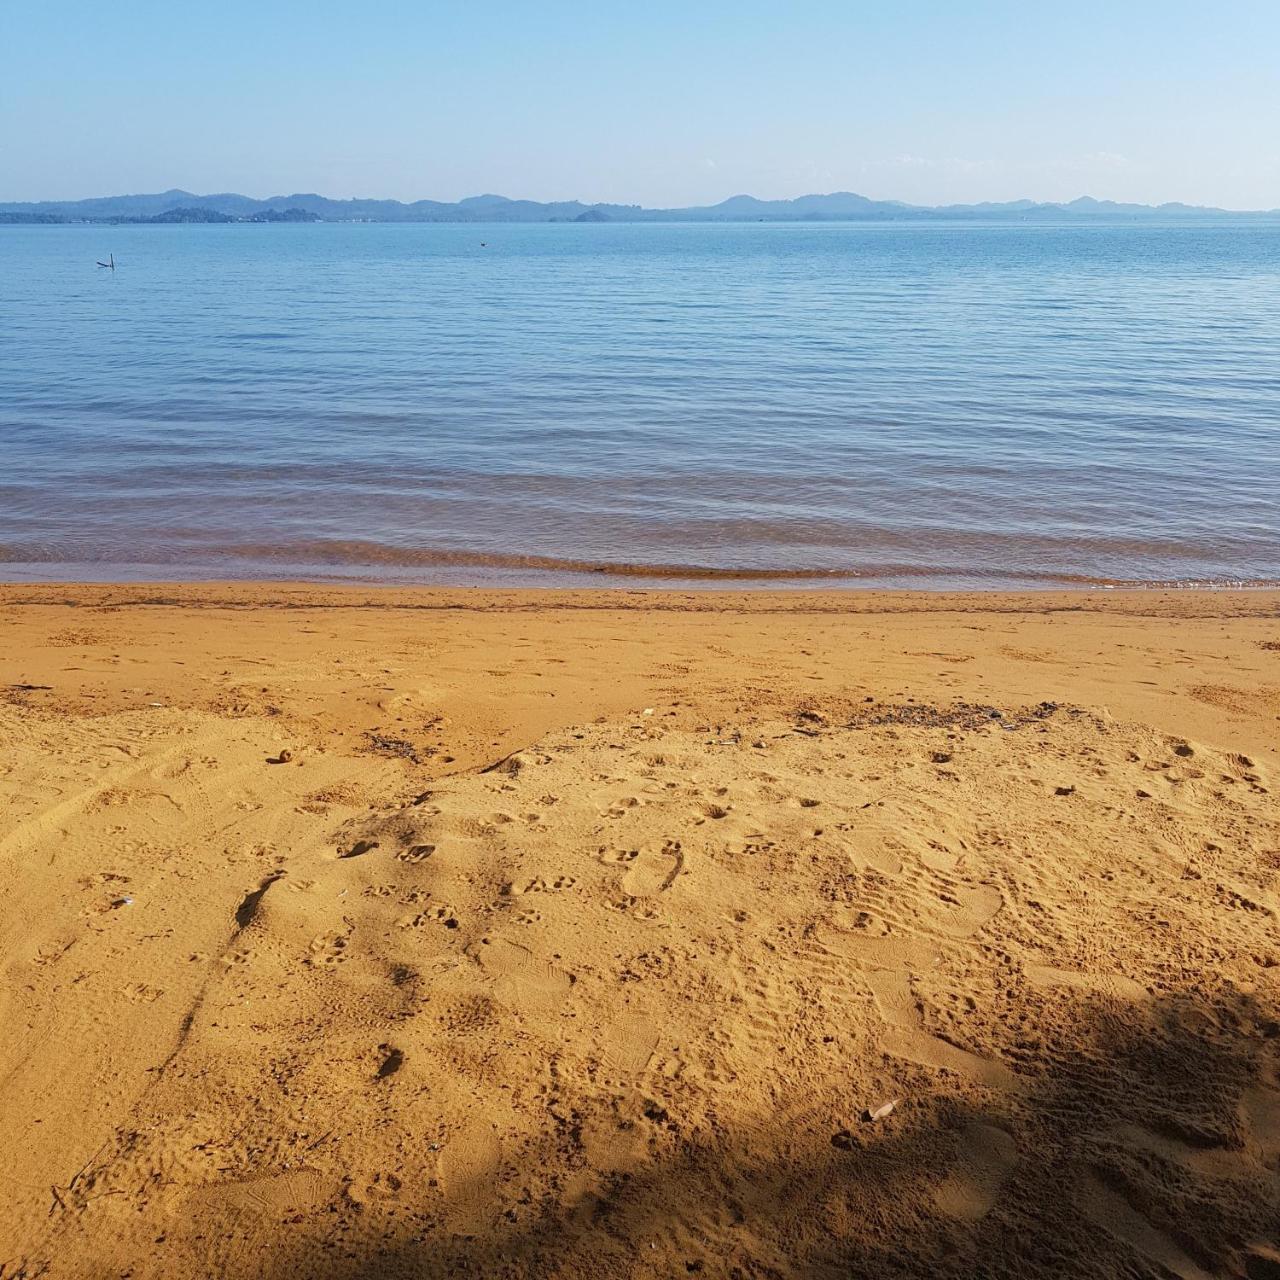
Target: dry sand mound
[626, 1003]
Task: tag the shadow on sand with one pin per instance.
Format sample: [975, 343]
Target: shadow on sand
[1143, 1145]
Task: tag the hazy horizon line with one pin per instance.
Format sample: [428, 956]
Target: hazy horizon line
[639, 204]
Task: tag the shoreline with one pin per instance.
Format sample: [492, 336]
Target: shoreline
[301, 593]
[535, 573]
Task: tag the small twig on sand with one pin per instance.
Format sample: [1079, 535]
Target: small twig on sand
[71, 1186]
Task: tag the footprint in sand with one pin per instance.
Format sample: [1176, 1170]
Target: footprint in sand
[468, 1174]
[541, 884]
[611, 1144]
[1115, 985]
[652, 872]
[608, 857]
[416, 853]
[620, 808]
[329, 949]
[868, 939]
[878, 853]
[965, 909]
[520, 978]
[906, 1038]
[1115, 1215]
[441, 914]
[988, 1155]
[629, 1044]
[292, 1192]
[887, 844]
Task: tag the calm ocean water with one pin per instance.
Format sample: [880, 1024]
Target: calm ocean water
[955, 405]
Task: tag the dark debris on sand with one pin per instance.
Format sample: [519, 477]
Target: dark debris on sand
[401, 748]
[962, 715]
[921, 715]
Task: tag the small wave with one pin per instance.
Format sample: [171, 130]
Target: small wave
[315, 556]
[356, 553]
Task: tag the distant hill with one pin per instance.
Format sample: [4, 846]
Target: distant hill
[841, 206]
[195, 213]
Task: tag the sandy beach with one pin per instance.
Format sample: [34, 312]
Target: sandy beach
[377, 933]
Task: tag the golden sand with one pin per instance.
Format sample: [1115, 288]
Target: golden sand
[351, 933]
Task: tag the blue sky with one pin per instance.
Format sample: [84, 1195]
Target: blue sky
[659, 103]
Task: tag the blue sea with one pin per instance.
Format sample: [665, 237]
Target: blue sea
[899, 404]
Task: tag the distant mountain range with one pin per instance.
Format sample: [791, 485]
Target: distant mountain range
[840, 206]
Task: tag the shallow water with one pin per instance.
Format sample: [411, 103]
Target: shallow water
[897, 404]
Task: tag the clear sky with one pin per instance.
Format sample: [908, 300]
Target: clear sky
[659, 102]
